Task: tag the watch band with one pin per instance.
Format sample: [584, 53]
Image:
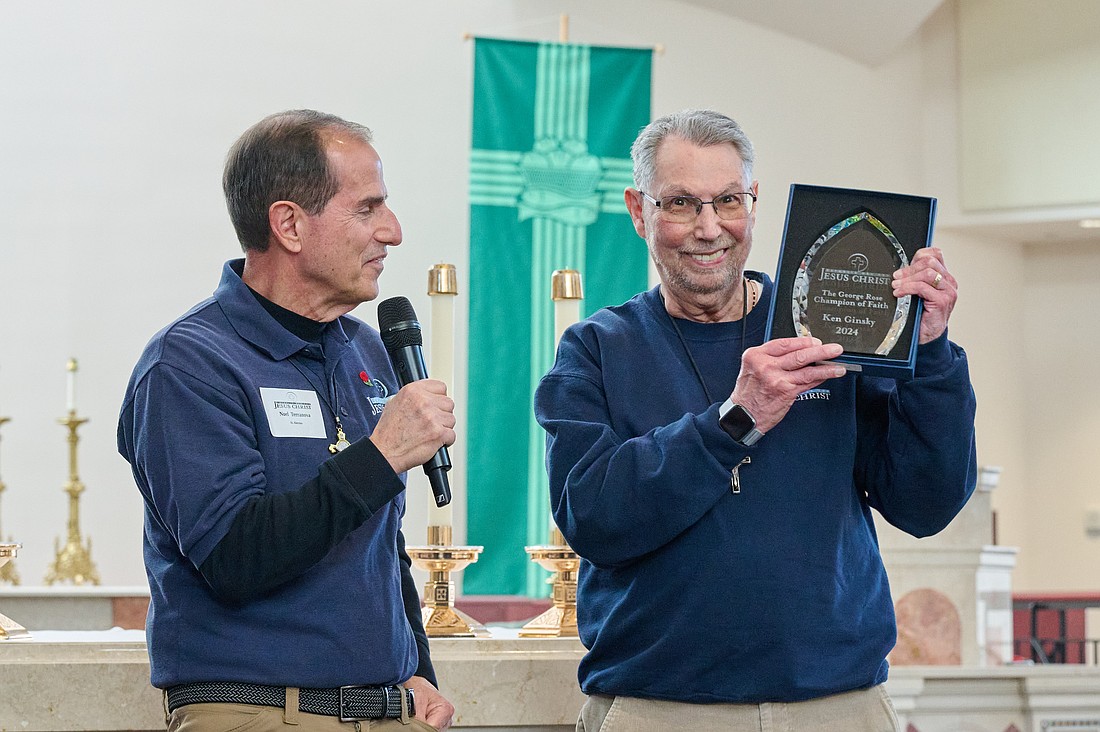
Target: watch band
[751, 438]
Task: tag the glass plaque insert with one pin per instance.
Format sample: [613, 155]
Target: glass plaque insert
[842, 291]
[840, 250]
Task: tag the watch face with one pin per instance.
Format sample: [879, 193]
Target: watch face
[737, 422]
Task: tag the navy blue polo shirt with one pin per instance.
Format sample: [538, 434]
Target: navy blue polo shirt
[226, 404]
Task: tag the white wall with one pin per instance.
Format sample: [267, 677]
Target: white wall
[1062, 408]
[991, 273]
[1025, 309]
[1028, 72]
[116, 117]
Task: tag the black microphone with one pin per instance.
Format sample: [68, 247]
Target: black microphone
[401, 335]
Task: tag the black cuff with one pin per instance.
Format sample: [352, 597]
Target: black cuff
[364, 459]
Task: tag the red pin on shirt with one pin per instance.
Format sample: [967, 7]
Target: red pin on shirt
[364, 377]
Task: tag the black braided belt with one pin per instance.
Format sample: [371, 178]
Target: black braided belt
[349, 703]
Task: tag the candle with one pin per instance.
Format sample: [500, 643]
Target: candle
[567, 293]
[70, 386]
[442, 289]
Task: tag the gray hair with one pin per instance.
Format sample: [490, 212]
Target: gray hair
[281, 158]
[702, 127]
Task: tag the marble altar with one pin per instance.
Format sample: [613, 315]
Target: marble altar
[99, 680]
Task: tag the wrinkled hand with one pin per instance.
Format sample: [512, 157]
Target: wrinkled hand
[417, 421]
[431, 706]
[927, 278]
[774, 373]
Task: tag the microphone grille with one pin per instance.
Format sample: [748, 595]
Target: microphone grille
[397, 324]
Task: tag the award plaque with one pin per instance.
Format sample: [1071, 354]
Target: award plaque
[840, 250]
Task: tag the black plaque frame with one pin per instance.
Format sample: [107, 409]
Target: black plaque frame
[812, 212]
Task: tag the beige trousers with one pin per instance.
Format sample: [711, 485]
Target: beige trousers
[251, 718]
[866, 710]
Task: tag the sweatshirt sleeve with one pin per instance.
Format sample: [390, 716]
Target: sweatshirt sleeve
[916, 456]
[617, 496]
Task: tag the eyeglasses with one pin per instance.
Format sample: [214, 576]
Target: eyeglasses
[683, 209]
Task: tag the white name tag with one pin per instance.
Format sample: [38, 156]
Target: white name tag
[293, 412]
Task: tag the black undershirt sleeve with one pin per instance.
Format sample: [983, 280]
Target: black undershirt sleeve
[411, 597]
[278, 536]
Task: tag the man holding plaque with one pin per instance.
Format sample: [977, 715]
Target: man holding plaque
[719, 488]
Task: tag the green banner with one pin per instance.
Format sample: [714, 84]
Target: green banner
[552, 128]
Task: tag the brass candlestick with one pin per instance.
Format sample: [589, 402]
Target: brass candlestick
[7, 568]
[560, 621]
[439, 559]
[8, 627]
[74, 561]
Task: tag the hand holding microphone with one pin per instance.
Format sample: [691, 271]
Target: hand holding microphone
[420, 416]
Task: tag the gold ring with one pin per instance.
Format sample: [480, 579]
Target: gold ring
[936, 282]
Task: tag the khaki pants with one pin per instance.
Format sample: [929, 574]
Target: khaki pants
[866, 710]
[251, 718]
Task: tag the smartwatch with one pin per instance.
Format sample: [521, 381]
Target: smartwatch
[736, 421]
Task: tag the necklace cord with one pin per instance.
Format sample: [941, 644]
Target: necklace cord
[691, 358]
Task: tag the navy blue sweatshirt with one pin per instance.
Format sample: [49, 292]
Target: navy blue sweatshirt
[690, 592]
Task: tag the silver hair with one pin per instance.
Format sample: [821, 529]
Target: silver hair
[701, 127]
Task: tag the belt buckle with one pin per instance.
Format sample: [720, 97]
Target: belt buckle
[340, 704]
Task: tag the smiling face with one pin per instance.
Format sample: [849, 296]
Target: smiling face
[345, 244]
[700, 263]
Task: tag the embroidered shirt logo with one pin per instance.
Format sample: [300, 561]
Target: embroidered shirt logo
[379, 398]
[814, 394]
